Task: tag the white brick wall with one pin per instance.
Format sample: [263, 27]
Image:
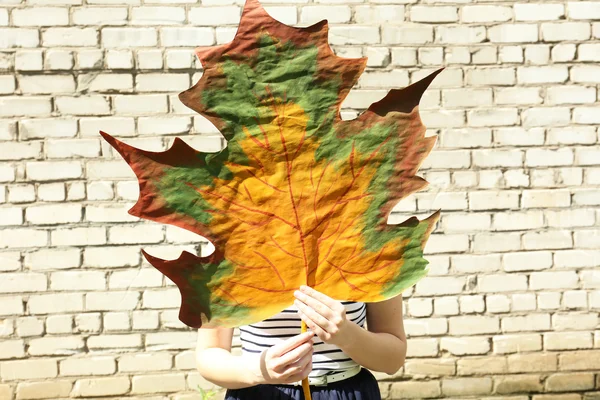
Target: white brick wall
[510, 309]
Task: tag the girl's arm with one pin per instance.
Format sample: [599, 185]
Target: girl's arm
[216, 364]
[382, 348]
[286, 362]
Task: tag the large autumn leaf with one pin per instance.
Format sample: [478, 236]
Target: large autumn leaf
[298, 196]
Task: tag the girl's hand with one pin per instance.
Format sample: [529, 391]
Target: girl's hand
[324, 316]
[286, 362]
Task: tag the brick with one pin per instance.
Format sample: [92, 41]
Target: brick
[547, 240]
[99, 16]
[590, 279]
[518, 95]
[11, 305]
[24, 106]
[147, 320]
[367, 14]
[570, 382]
[481, 365]
[16, 151]
[493, 117]
[523, 302]
[145, 362]
[88, 323]
[542, 74]
[55, 303]
[11, 216]
[465, 346]
[161, 82]
[83, 105]
[18, 38]
[23, 282]
[101, 387]
[496, 242]
[78, 280]
[571, 135]
[78, 236]
[109, 214]
[46, 84]
[129, 37]
[46, 128]
[10, 261]
[184, 36]
[585, 115]
[538, 12]
[466, 386]
[51, 192]
[485, 13]
[28, 369]
[420, 307]
[568, 340]
[466, 222]
[531, 322]
[446, 306]
[120, 257]
[70, 37]
[476, 263]
[519, 136]
[587, 10]
[163, 383]
[57, 324]
[111, 301]
[23, 237]
[560, 31]
[502, 283]
[546, 157]
[518, 383]
[45, 259]
[574, 299]
[423, 327]
[553, 280]
[585, 197]
[490, 200]
[546, 117]
[549, 301]
[21, 193]
[12, 349]
[8, 130]
[497, 303]
[122, 341]
[100, 365]
[42, 390]
[433, 14]
[415, 389]
[513, 33]
[561, 322]
[407, 33]
[116, 321]
[356, 34]
[53, 214]
[546, 198]
[422, 348]
[473, 325]
[142, 104]
[171, 340]
[504, 344]
[149, 15]
[47, 346]
[430, 367]
[29, 326]
[527, 261]
[579, 360]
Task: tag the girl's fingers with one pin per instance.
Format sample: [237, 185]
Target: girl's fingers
[298, 366]
[302, 374]
[293, 355]
[313, 316]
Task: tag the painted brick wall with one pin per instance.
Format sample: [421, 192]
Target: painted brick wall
[510, 309]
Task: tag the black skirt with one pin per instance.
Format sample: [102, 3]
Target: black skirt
[362, 386]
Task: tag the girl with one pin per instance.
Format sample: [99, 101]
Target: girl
[275, 358]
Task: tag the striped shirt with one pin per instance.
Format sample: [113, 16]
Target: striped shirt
[327, 359]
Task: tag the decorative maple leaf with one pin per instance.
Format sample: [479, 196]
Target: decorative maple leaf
[298, 196]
